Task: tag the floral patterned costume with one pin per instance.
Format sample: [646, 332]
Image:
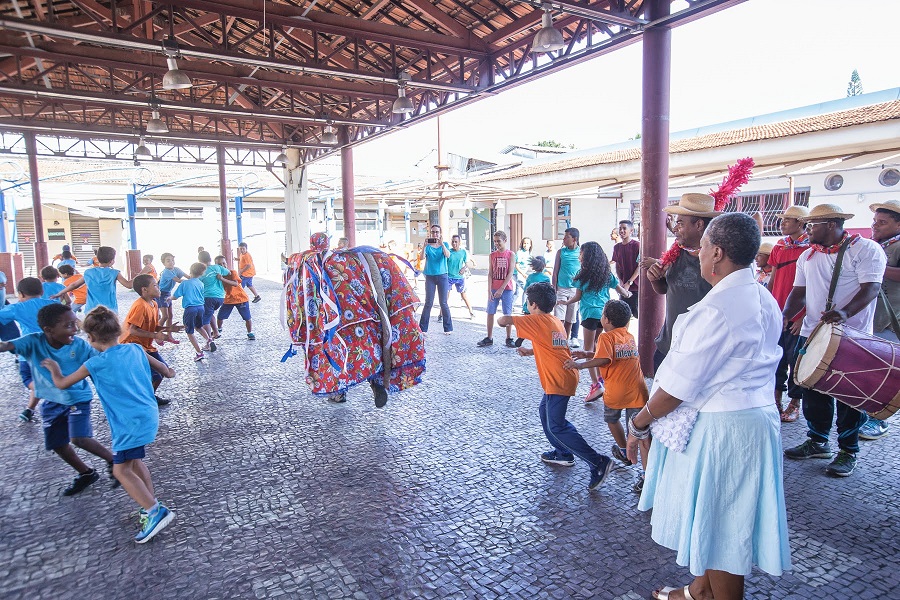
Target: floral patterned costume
[348, 309]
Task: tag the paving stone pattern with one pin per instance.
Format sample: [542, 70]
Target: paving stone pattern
[441, 494]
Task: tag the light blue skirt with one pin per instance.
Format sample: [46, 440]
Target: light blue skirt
[720, 503]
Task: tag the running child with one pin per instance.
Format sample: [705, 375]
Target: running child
[141, 326]
[78, 297]
[214, 283]
[66, 414]
[52, 286]
[617, 358]
[101, 281]
[235, 298]
[550, 348]
[191, 293]
[247, 269]
[167, 279]
[121, 374]
[24, 314]
[148, 268]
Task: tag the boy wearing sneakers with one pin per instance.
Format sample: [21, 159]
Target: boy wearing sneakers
[246, 269]
[52, 286]
[214, 283]
[616, 356]
[121, 374]
[66, 414]
[550, 348]
[167, 279]
[101, 281]
[500, 279]
[191, 293]
[24, 313]
[141, 326]
[235, 298]
[79, 296]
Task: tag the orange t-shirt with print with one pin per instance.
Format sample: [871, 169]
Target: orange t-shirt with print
[551, 349]
[79, 295]
[235, 294]
[143, 315]
[622, 377]
[244, 261]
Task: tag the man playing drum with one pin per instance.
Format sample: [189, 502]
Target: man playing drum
[853, 305]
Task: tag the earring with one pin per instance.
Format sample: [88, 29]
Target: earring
[714, 269]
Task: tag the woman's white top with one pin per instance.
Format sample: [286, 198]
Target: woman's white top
[725, 348]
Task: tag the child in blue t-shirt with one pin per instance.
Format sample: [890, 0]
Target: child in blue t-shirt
[24, 313]
[214, 282]
[52, 286]
[169, 276]
[121, 374]
[101, 282]
[66, 414]
[538, 274]
[191, 293]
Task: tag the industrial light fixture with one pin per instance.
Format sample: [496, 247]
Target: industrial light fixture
[155, 124]
[548, 38]
[282, 158]
[329, 136]
[175, 78]
[402, 105]
[424, 210]
[141, 151]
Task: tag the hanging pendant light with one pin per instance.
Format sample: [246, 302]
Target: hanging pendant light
[402, 105]
[548, 38]
[175, 78]
[156, 124]
[141, 152]
[282, 158]
[329, 136]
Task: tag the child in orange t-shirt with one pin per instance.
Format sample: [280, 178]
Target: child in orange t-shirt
[246, 269]
[616, 356]
[550, 348]
[148, 268]
[235, 297]
[78, 295]
[141, 326]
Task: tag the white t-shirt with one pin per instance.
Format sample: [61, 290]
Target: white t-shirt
[864, 262]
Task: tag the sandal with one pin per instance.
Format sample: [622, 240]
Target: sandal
[791, 414]
[663, 594]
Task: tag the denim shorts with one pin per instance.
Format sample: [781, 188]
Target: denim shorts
[506, 299]
[210, 306]
[459, 284]
[130, 454]
[164, 300]
[243, 309]
[154, 375]
[193, 318]
[612, 415]
[63, 422]
[246, 282]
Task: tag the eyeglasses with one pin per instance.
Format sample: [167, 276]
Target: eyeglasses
[811, 223]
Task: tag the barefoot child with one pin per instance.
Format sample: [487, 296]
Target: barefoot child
[235, 298]
[66, 414]
[167, 279]
[101, 281]
[121, 374]
[191, 293]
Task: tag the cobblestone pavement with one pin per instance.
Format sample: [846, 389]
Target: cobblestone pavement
[439, 495]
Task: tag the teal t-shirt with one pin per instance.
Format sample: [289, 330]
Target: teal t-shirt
[212, 287]
[101, 288]
[533, 278]
[25, 314]
[592, 304]
[34, 348]
[457, 260]
[191, 293]
[435, 263]
[569, 265]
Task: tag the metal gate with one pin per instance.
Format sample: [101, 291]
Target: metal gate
[25, 239]
[85, 238]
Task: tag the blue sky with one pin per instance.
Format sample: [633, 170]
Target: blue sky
[758, 57]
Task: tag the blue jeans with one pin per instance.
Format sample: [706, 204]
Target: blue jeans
[442, 283]
[561, 434]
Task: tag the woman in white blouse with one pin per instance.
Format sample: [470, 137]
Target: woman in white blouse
[714, 478]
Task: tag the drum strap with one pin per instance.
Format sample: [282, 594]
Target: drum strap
[890, 311]
[829, 303]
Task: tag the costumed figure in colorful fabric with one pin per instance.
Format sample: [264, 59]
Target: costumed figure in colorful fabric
[351, 315]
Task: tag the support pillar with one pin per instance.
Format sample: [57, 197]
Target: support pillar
[654, 171]
[348, 199]
[3, 247]
[296, 205]
[41, 255]
[238, 216]
[407, 218]
[130, 209]
[223, 207]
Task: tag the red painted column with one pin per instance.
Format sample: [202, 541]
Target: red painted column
[654, 171]
[348, 200]
[223, 207]
[41, 255]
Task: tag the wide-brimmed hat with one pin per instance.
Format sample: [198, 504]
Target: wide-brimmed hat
[694, 205]
[765, 248]
[891, 205]
[794, 212]
[826, 211]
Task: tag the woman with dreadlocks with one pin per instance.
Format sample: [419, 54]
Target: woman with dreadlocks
[592, 285]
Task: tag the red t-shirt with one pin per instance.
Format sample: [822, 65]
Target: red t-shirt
[782, 282]
[501, 263]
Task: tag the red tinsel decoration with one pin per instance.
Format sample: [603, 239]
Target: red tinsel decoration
[738, 174]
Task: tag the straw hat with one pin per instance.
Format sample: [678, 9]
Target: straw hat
[794, 212]
[765, 248]
[826, 211]
[891, 205]
[694, 205]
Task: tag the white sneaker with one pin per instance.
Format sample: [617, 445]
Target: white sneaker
[574, 344]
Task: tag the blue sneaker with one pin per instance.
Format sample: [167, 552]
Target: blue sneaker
[555, 458]
[599, 474]
[153, 523]
[873, 429]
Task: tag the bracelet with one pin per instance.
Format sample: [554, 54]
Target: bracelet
[647, 407]
[641, 434]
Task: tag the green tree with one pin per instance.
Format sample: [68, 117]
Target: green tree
[854, 88]
[550, 144]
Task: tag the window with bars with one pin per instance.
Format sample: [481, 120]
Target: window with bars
[557, 217]
[769, 204]
[158, 213]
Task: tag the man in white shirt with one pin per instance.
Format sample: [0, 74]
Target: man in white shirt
[859, 281]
